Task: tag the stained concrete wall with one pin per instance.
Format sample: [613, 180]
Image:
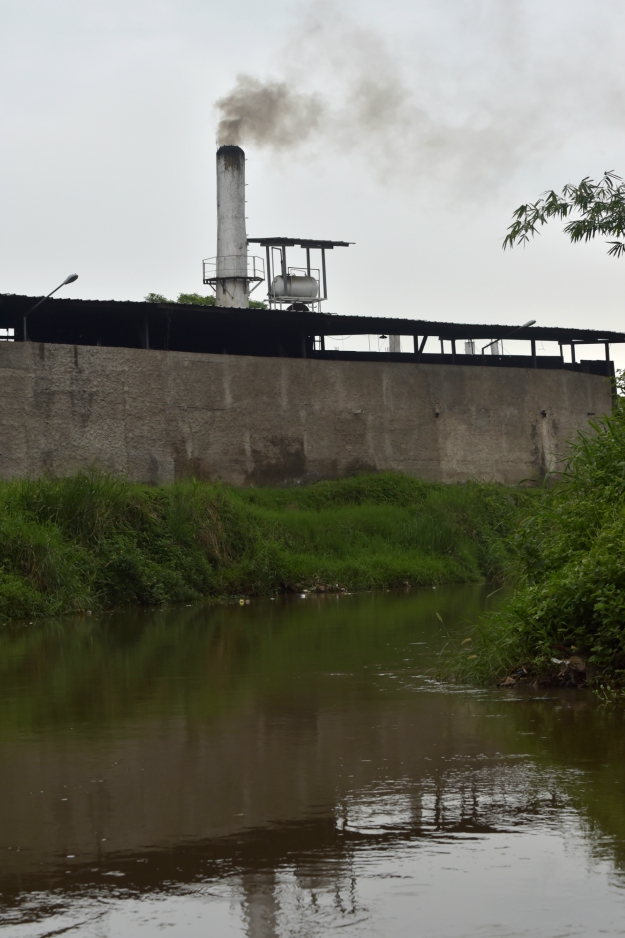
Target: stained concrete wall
[159, 416]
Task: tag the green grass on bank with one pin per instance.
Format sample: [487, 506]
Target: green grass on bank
[93, 541]
[570, 568]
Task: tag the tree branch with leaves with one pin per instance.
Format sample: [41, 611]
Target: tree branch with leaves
[599, 208]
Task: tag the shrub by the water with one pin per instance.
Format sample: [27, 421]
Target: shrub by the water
[93, 541]
[570, 565]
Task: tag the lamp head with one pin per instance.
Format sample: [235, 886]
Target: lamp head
[70, 279]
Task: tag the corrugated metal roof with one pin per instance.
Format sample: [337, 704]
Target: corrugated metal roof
[327, 323]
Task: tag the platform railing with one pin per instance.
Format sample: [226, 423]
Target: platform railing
[233, 267]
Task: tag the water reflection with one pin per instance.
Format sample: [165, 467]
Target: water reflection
[291, 768]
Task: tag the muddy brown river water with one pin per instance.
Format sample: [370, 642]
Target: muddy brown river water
[291, 768]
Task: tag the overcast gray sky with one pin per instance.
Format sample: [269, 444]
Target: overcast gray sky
[439, 118]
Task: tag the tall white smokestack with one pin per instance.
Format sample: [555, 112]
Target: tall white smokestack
[232, 285]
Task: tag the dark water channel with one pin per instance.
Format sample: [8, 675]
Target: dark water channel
[290, 768]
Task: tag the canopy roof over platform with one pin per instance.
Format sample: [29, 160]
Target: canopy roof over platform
[298, 243]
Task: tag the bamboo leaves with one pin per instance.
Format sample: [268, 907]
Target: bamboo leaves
[598, 207]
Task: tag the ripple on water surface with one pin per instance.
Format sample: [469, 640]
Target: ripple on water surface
[292, 768]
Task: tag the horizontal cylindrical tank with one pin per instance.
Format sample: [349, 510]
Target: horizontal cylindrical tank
[296, 286]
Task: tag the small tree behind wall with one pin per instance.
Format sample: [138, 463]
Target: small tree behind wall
[195, 299]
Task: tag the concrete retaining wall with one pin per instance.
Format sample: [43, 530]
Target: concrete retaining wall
[160, 416]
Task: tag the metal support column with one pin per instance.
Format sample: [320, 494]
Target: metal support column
[534, 362]
[283, 264]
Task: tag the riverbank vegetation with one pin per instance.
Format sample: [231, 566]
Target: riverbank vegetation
[93, 541]
[565, 622]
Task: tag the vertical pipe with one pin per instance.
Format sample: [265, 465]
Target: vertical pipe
[283, 265]
[323, 268]
[573, 353]
[534, 362]
[269, 277]
[607, 359]
[308, 262]
[442, 346]
[232, 284]
[453, 350]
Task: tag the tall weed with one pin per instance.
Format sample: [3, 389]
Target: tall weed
[92, 541]
[570, 565]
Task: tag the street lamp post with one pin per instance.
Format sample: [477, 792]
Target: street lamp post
[532, 322]
[69, 279]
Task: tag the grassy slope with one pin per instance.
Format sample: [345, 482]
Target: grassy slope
[92, 541]
[570, 557]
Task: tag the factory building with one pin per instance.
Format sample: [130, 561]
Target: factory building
[160, 391]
